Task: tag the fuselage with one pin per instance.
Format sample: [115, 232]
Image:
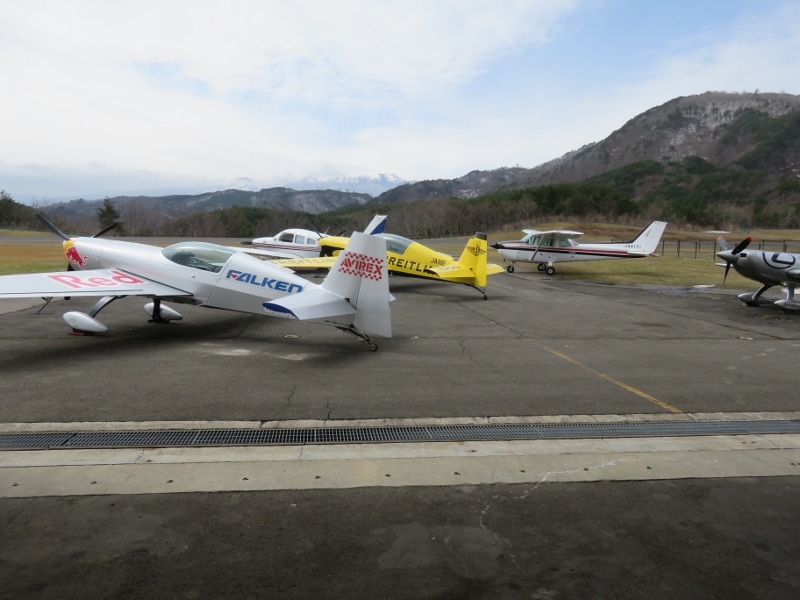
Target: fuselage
[773, 268]
[529, 250]
[214, 276]
[404, 256]
[297, 242]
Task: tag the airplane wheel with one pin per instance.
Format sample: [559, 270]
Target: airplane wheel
[541, 266]
[373, 346]
[550, 270]
[510, 268]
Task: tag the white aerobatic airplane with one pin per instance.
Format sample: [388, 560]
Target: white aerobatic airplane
[289, 243]
[301, 243]
[766, 267]
[354, 297]
[558, 245]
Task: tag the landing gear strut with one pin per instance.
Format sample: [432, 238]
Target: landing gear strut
[475, 287]
[360, 335]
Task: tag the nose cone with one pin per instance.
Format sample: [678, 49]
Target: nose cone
[498, 245]
[728, 256]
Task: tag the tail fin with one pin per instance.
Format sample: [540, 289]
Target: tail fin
[474, 257]
[377, 225]
[355, 294]
[360, 275]
[649, 238]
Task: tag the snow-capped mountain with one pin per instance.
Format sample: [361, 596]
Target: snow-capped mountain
[365, 184]
[374, 185]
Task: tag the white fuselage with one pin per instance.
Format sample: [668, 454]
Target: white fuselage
[214, 276]
[301, 243]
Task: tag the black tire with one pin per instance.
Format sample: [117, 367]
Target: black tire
[510, 268]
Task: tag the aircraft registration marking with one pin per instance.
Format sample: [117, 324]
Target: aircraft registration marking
[624, 386]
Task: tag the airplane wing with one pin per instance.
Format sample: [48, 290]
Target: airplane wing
[95, 282]
[301, 264]
[556, 234]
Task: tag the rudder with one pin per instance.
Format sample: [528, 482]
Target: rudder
[474, 257]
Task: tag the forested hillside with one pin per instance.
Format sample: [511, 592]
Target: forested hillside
[710, 161]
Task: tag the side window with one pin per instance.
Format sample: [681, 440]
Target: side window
[299, 239]
[563, 243]
[286, 237]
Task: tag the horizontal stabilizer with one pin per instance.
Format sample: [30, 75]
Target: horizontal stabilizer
[310, 305]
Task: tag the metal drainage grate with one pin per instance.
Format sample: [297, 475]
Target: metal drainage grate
[340, 435]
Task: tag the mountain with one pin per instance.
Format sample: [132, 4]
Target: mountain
[310, 201]
[718, 127]
[365, 184]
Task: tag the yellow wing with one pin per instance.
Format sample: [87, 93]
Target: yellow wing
[300, 264]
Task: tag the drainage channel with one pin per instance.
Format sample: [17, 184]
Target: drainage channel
[354, 435]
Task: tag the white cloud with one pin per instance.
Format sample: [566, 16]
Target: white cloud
[216, 90]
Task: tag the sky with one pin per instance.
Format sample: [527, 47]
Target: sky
[103, 98]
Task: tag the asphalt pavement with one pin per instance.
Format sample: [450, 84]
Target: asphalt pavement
[538, 348]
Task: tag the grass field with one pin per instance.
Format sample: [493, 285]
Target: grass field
[20, 255]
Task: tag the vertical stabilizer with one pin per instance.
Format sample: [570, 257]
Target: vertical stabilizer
[649, 238]
[360, 275]
[474, 257]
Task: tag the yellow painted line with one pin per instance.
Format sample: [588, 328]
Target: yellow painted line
[624, 386]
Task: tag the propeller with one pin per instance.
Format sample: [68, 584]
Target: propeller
[51, 227]
[64, 237]
[731, 256]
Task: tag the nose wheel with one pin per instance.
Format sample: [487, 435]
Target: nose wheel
[510, 268]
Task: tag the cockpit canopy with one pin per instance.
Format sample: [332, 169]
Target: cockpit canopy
[198, 255]
[395, 243]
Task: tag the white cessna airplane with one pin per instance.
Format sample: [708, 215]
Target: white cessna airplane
[354, 297]
[558, 245]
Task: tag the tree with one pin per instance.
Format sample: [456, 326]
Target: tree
[107, 215]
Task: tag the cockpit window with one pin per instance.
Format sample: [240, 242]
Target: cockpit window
[396, 243]
[198, 255]
[286, 237]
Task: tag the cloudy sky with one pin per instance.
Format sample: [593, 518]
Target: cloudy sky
[103, 98]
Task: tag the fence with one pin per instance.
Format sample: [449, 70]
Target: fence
[699, 249]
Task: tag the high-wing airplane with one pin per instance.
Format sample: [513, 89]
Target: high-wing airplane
[354, 297]
[549, 247]
[408, 258]
[768, 268]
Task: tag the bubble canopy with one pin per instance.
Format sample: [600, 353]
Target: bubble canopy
[198, 255]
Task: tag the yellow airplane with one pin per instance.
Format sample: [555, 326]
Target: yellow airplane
[412, 259]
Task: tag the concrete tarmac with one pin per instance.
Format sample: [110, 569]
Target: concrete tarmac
[538, 347]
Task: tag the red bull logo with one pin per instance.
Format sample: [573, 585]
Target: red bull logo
[78, 282]
[75, 257]
[362, 265]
